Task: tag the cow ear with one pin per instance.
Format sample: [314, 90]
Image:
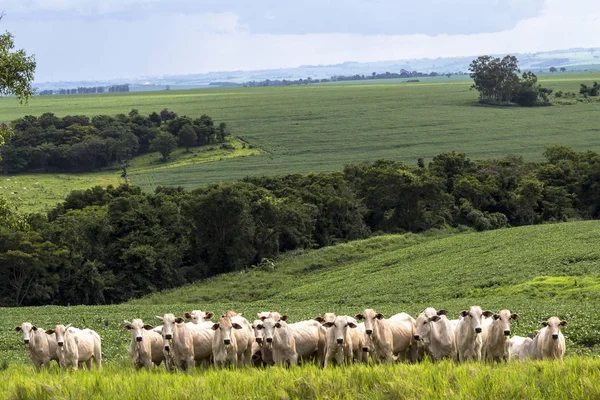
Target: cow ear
[434, 318]
[359, 316]
[179, 320]
[464, 313]
[187, 315]
[148, 327]
[514, 316]
[34, 328]
[208, 315]
[68, 326]
[380, 316]
[259, 326]
[496, 316]
[442, 312]
[328, 324]
[487, 313]
[18, 328]
[256, 356]
[352, 325]
[127, 325]
[544, 323]
[160, 318]
[563, 323]
[283, 318]
[320, 319]
[235, 325]
[263, 318]
[278, 325]
[215, 327]
[50, 331]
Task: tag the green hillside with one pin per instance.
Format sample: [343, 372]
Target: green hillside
[323, 127]
[536, 271]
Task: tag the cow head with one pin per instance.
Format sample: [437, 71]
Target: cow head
[553, 325]
[502, 319]
[169, 322]
[370, 317]
[267, 328]
[259, 333]
[59, 332]
[26, 328]
[474, 317]
[226, 326]
[340, 326]
[327, 317]
[198, 316]
[137, 327]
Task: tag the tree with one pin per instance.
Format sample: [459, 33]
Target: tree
[187, 137]
[16, 69]
[562, 69]
[552, 69]
[164, 143]
[495, 79]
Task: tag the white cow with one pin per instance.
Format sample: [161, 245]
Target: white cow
[146, 347]
[291, 342]
[339, 338]
[469, 333]
[77, 346]
[391, 338]
[550, 342]
[232, 342]
[40, 345]
[198, 317]
[269, 314]
[422, 318]
[262, 352]
[497, 345]
[519, 347]
[437, 334]
[178, 343]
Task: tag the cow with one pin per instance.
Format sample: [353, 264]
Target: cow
[232, 342]
[390, 338]
[497, 344]
[178, 343]
[269, 314]
[550, 342]
[437, 334]
[262, 352]
[339, 339]
[327, 317]
[198, 317]
[422, 345]
[519, 347]
[469, 333]
[40, 345]
[77, 346]
[146, 347]
[293, 342]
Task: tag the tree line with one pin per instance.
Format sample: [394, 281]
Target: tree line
[80, 143]
[107, 245]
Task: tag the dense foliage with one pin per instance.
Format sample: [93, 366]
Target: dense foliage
[16, 69]
[109, 245]
[78, 143]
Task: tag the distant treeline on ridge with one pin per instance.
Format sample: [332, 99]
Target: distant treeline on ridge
[107, 245]
[86, 90]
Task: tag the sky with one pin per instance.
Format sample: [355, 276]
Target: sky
[105, 39]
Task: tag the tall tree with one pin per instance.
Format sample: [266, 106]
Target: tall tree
[187, 137]
[164, 143]
[16, 69]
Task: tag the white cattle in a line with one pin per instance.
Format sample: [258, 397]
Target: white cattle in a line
[40, 346]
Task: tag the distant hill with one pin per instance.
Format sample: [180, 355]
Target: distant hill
[577, 59]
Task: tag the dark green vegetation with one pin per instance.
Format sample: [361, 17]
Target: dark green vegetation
[324, 127]
[16, 69]
[78, 143]
[109, 245]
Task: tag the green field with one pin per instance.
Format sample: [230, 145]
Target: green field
[323, 127]
[536, 271]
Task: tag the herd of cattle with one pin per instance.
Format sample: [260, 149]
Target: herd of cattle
[270, 339]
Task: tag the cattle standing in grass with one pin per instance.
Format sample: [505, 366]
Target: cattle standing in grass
[40, 345]
[469, 333]
[519, 347]
[77, 346]
[437, 334]
[232, 342]
[146, 347]
[550, 342]
[391, 338]
[339, 338]
[201, 318]
[178, 343]
[422, 345]
[497, 345]
[262, 352]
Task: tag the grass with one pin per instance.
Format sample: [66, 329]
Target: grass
[533, 380]
[323, 127]
[41, 191]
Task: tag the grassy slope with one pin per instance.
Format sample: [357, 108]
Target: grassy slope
[496, 269]
[323, 127]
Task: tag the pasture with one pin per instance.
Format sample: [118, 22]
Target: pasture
[536, 271]
[323, 127]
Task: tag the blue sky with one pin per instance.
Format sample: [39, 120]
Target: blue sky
[102, 39]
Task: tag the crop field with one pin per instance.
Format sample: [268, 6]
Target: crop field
[536, 271]
[323, 127]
